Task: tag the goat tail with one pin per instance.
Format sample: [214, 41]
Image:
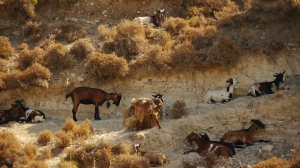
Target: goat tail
[68, 95]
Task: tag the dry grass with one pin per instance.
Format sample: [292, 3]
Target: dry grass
[106, 66]
[107, 34]
[6, 48]
[69, 32]
[179, 109]
[62, 139]
[56, 57]
[31, 151]
[33, 31]
[66, 164]
[84, 130]
[81, 49]
[175, 26]
[29, 57]
[20, 10]
[35, 75]
[69, 125]
[273, 162]
[37, 164]
[125, 161]
[4, 65]
[45, 137]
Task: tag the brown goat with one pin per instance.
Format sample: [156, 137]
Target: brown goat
[86, 95]
[146, 106]
[29, 115]
[155, 158]
[7, 115]
[245, 136]
[207, 146]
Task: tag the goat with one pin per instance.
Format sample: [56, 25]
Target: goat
[223, 95]
[257, 89]
[207, 146]
[29, 115]
[205, 137]
[155, 19]
[86, 95]
[147, 106]
[155, 158]
[245, 136]
[7, 115]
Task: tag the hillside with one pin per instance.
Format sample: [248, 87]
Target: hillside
[50, 47]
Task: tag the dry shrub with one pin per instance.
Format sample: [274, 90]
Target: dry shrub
[32, 30]
[29, 57]
[123, 148]
[81, 49]
[67, 3]
[56, 57]
[66, 164]
[4, 65]
[225, 51]
[10, 80]
[273, 162]
[47, 42]
[174, 26]
[126, 47]
[63, 139]
[128, 113]
[106, 66]
[103, 157]
[31, 151]
[11, 153]
[79, 157]
[37, 164]
[129, 29]
[210, 159]
[84, 130]
[295, 159]
[19, 9]
[47, 152]
[179, 109]
[227, 11]
[69, 125]
[6, 48]
[107, 34]
[197, 21]
[130, 123]
[45, 137]
[161, 38]
[125, 161]
[35, 75]
[69, 32]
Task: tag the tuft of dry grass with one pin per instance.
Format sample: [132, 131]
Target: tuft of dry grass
[69, 32]
[66, 164]
[4, 65]
[81, 49]
[6, 48]
[130, 123]
[69, 125]
[29, 57]
[124, 161]
[62, 139]
[174, 26]
[31, 151]
[106, 66]
[47, 152]
[103, 157]
[107, 34]
[37, 164]
[35, 75]
[56, 57]
[45, 137]
[84, 130]
[179, 109]
[21, 10]
[123, 148]
[273, 162]
[32, 30]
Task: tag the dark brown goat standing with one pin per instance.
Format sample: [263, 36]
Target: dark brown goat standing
[245, 136]
[86, 95]
[207, 146]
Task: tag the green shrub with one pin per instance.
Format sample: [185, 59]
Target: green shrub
[106, 66]
[81, 49]
[6, 48]
[57, 58]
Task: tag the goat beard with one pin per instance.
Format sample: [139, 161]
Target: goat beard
[107, 104]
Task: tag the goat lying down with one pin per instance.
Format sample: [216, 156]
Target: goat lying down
[155, 158]
[29, 115]
[155, 19]
[223, 95]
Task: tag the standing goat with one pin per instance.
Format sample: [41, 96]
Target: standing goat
[29, 115]
[207, 146]
[155, 19]
[257, 89]
[223, 95]
[146, 106]
[245, 136]
[86, 95]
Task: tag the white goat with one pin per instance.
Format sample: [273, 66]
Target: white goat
[155, 19]
[223, 95]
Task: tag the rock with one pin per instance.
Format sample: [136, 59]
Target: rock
[268, 148]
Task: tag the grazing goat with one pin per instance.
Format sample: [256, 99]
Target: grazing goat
[257, 89]
[229, 145]
[155, 158]
[223, 95]
[7, 115]
[155, 19]
[147, 106]
[245, 136]
[29, 115]
[86, 95]
[207, 146]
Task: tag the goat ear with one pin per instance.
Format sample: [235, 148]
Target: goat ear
[283, 72]
[229, 80]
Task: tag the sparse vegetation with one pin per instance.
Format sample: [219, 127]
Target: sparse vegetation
[6, 48]
[32, 30]
[45, 137]
[179, 109]
[81, 49]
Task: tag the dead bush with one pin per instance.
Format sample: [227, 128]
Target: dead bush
[56, 58]
[31, 151]
[32, 31]
[66, 164]
[103, 157]
[4, 65]
[81, 49]
[19, 9]
[69, 125]
[123, 148]
[273, 162]
[174, 26]
[6, 48]
[126, 47]
[106, 33]
[37, 164]
[47, 152]
[69, 32]
[35, 75]
[10, 80]
[210, 159]
[124, 161]
[197, 21]
[79, 157]
[28, 57]
[67, 3]
[62, 139]
[45, 137]
[230, 9]
[106, 66]
[179, 109]
[129, 29]
[84, 130]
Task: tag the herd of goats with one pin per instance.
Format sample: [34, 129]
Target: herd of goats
[151, 107]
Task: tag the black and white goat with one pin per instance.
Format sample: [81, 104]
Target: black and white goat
[29, 115]
[257, 89]
[155, 19]
[223, 95]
